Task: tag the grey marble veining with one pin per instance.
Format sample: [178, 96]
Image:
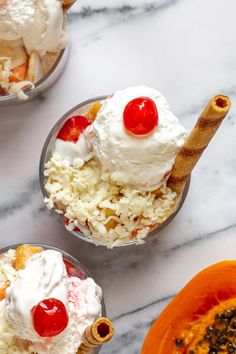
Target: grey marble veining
[84, 9]
[184, 48]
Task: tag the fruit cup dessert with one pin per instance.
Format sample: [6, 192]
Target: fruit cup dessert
[116, 169]
[201, 319]
[48, 304]
[32, 42]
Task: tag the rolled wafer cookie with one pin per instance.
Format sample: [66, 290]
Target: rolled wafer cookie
[200, 136]
[100, 332]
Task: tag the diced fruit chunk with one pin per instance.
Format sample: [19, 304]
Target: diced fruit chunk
[134, 233]
[140, 116]
[19, 73]
[72, 128]
[111, 223]
[50, 317]
[92, 113]
[2, 293]
[23, 254]
[4, 283]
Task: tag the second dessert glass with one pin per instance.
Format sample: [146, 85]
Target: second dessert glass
[48, 147]
[80, 270]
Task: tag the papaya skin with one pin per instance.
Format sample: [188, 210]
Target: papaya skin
[213, 287]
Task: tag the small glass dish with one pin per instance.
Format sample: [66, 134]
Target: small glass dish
[81, 270]
[43, 84]
[48, 147]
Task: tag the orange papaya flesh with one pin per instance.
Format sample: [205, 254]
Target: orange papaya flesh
[182, 328]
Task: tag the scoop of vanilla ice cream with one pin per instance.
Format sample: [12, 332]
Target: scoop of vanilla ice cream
[139, 161]
[44, 277]
[39, 23]
[71, 151]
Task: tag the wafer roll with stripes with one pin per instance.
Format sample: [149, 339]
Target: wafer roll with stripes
[200, 136]
[100, 332]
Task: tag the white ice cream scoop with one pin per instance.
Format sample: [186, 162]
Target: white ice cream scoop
[143, 161]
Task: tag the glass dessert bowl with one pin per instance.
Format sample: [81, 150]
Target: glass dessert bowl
[33, 48]
[108, 213]
[61, 307]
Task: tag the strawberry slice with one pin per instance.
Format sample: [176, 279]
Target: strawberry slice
[72, 128]
[73, 271]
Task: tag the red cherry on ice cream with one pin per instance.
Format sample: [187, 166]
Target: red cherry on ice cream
[50, 317]
[72, 128]
[140, 116]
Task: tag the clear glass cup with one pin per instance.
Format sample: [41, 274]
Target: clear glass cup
[83, 272]
[43, 84]
[48, 147]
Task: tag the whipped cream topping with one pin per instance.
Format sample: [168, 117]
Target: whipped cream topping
[70, 151]
[143, 162]
[38, 23]
[44, 277]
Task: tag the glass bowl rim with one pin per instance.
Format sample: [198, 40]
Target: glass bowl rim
[80, 235]
[61, 54]
[48, 247]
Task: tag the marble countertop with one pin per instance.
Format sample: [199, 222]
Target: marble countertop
[184, 48]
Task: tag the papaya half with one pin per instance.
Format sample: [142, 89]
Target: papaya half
[201, 319]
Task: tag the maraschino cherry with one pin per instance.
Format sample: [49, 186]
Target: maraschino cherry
[50, 317]
[140, 116]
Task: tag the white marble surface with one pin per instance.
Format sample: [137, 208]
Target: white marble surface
[184, 48]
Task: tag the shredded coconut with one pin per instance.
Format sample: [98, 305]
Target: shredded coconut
[7, 271]
[6, 64]
[111, 214]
